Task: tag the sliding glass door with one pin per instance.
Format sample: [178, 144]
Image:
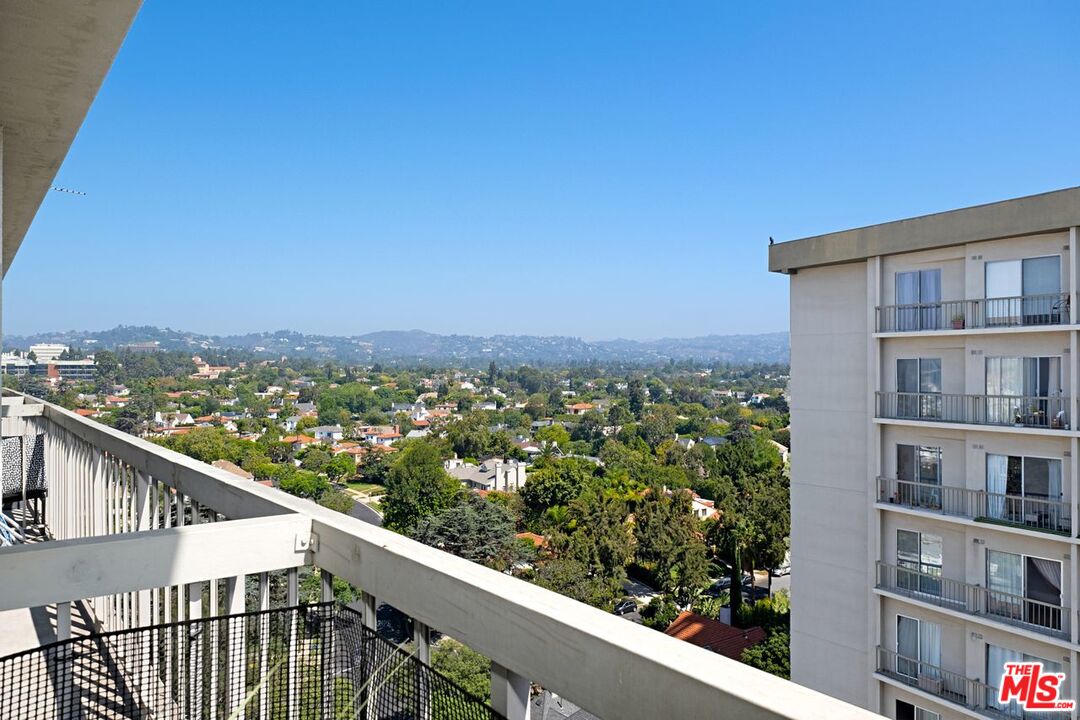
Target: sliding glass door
[918, 293]
[1042, 290]
[919, 464]
[1023, 390]
[918, 380]
[1024, 588]
[1025, 490]
[918, 643]
[1024, 292]
[918, 561]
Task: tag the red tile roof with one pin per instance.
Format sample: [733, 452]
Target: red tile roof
[537, 540]
[85, 412]
[714, 635]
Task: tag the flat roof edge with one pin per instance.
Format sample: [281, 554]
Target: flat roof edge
[1045, 212]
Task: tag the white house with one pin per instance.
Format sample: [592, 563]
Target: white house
[491, 474]
[328, 433]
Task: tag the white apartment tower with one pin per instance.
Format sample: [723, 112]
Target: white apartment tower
[934, 482]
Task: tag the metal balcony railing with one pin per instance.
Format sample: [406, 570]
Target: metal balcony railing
[1047, 515]
[1019, 311]
[134, 535]
[1007, 608]
[321, 662]
[953, 687]
[1016, 410]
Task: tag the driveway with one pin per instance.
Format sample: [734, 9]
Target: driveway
[639, 591]
[365, 513]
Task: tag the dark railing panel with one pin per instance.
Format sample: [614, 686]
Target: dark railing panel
[1017, 410]
[1019, 311]
[315, 662]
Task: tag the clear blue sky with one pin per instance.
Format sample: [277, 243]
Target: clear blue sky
[592, 169]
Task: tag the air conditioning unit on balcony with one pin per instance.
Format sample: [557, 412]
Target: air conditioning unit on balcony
[931, 685]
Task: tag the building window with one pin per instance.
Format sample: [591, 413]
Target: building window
[921, 466]
[1025, 490]
[918, 383]
[1023, 588]
[907, 711]
[918, 293]
[918, 647]
[1024, 292]
[918, 561]
[1024, 390]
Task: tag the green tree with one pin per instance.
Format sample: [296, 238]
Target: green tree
[618, 415]
[315, 459]
[469, 437]
[599, 544]
[669, 544]
[773, 654]
[755, 520]
[658, 425]
[342, 466]
[659, 613]
[464, 666]
[302, 483]
[475, 529]
[638, 396]
[337, 500]
[557, 482]
[417, 486]
[556, 434]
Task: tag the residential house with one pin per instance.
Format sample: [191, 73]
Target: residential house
[298, 442]
[491, 474]
[702, 508]
[327, 433]
[173, 419]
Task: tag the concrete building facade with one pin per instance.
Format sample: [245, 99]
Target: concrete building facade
[934, 522]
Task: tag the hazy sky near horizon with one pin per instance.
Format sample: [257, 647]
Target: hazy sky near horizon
[593, 169]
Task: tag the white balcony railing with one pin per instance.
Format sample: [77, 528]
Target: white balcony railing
[139, 532]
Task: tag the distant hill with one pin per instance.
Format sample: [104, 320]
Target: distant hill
[419, 346]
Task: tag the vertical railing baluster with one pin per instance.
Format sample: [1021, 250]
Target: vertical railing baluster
[264, 645]
[236, 686]
[292, 599]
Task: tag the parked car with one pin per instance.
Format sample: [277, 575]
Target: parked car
[783, 568]
[624, 606]
[724, 584]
